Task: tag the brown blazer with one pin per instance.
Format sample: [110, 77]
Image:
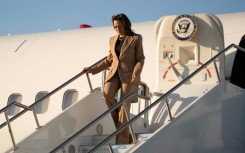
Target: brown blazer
[130, 61]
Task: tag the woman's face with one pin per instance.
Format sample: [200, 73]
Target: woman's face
[118, 26]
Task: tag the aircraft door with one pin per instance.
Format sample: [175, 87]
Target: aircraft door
[186, 42]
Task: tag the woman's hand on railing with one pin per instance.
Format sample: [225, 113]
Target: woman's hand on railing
[87, 70]
[135, 79]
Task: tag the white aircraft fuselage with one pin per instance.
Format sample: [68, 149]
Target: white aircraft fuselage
[40, 62]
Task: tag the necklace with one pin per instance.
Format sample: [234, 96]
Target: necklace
[122, 37]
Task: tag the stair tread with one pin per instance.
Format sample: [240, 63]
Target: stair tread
[117, 148]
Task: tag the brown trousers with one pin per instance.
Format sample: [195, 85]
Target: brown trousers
[111, 88]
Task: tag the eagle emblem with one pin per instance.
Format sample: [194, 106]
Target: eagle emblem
[184, 27]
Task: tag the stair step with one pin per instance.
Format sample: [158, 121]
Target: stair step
[105, 148]
[144, 136]
[116, 148]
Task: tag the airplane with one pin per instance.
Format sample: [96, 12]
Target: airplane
[185, 102]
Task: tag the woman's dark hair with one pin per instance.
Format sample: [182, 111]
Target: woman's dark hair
[125, 21]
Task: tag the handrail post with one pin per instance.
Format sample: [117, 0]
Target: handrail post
[216, 69]
[140, 89]
[130, 125]
[146, 100]
[10, 129]
[146, 105]
[110, 148]
[36, 119]
[169, 111]
[89, 82]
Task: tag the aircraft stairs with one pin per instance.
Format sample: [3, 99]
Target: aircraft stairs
[67, 130]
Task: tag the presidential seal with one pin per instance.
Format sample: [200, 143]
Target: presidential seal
[184, 27]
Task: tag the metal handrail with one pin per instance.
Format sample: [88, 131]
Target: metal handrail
[16, 104]
[50, 94]
[8, 122]
[164, 96]
[22, 106]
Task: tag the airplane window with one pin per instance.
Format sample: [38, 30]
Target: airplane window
[42, 107]
[15, 97]
[70, 97]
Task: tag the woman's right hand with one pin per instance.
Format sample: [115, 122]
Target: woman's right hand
[87, 70]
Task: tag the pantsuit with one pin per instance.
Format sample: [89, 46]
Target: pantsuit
[111, 88]
[122, 68]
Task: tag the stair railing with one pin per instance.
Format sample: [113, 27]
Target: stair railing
[32, 106]
[160, 99]
[5, 109]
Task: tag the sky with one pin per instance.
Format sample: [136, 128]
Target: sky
[34, 16]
